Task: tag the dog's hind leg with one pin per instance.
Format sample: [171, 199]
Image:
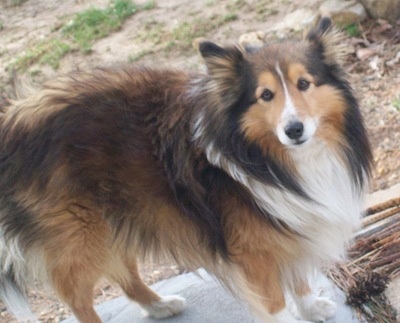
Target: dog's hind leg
[76, 252]
[154, 305]
[75, 287]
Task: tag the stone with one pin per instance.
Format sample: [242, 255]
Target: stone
[255, 38]
[386, 9]
[393, 294]
[394, 61]
[343, 12]
[298, 20]
[364, 53]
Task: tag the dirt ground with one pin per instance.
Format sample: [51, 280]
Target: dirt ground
[162, 35]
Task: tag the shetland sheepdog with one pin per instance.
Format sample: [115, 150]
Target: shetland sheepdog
[255, 170]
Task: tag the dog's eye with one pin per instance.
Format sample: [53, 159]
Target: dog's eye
[303, 84]
[267, 95]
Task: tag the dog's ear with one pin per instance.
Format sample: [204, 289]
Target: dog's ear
[328, 41]
[317, 32]
[221, 62]
[225, 66]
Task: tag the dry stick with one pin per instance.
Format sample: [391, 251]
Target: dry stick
[392, 269]
[380, 216]
[395, 272]
[390, 247]
[362, 257]
[383, 206]
[376, 250]
[376, 227]
[385, 261]
[389, 243]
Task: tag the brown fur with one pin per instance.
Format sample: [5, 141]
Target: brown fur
[79, 244]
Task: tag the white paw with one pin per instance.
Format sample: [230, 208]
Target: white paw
[167, 306]
[316, 309]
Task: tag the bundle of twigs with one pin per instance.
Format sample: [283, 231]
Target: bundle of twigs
[374, 260]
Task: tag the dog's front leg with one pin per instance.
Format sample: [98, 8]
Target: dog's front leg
[310, 306]
[260, 280]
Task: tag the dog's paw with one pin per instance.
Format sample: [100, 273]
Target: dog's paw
[167, 306]
[317, 309]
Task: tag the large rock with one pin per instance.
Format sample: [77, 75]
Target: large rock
[343, 12]
[387, 9]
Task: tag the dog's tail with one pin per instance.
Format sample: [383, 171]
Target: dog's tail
[14, 297]
[12, 286]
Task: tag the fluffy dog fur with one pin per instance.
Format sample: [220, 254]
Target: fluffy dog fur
[255, 170]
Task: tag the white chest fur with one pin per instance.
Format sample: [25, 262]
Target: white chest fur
[328, 220]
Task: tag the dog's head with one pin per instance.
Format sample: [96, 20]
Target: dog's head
[287, 92]
[279, 99]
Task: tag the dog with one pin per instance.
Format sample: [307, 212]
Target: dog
[255, 169]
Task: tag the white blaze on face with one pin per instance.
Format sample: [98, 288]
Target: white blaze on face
[290, 115]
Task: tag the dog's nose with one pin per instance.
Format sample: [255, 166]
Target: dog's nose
[294, 130]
